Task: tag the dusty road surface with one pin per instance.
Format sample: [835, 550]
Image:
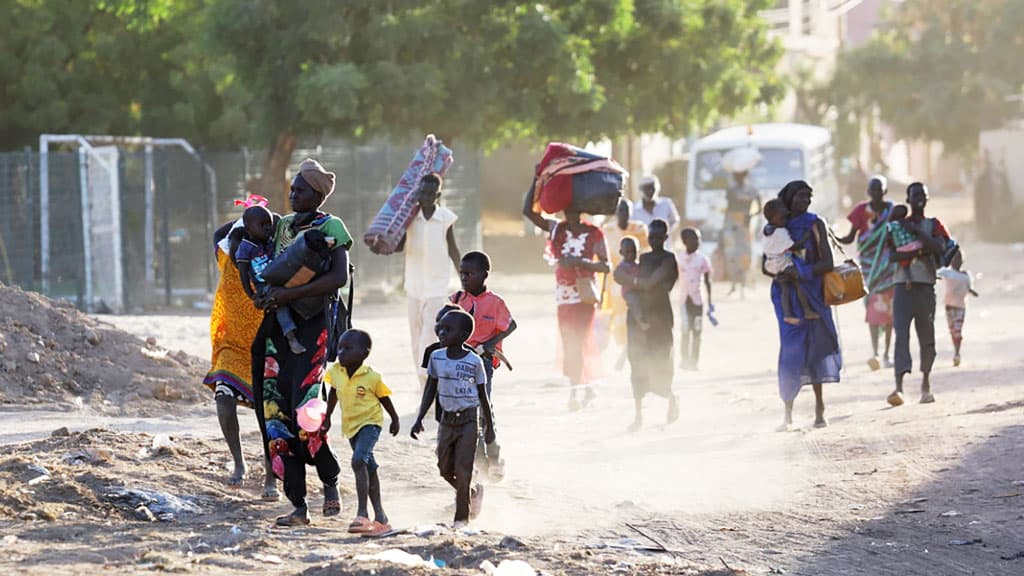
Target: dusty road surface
[921, 489]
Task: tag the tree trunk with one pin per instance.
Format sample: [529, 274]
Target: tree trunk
[274, 182]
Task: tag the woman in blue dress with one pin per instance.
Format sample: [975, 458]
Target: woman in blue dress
[809, 350]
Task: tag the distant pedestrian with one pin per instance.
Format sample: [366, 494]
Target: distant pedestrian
[914, 299]
[430, 255]
[653, 205]
[694, 270]
[959, 283]
[740, 197]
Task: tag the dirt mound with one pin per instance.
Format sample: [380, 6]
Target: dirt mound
[50, 353]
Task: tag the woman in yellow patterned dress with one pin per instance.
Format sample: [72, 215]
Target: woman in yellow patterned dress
[233, 325]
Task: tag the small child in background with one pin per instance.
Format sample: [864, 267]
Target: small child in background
[362, 393]
[492, 324]
[959, 283]
[779, 253]
[456, 376]
[902, 239]
[629, 269]
[252, 257]
[693, 266]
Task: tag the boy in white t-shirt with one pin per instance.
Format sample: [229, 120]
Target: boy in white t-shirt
[959, 284]
[778, 248]
[430, 255]
[693, 267]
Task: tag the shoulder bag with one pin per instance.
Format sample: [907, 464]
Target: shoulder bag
[845, 282]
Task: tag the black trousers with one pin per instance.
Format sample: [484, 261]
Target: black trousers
[914, 304]
[327, 469]
[456, 453]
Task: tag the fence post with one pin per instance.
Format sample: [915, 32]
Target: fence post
[83, 182]
[44, 214]
[149, 249]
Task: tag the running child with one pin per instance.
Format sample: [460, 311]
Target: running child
[362, 394]
[959, 283]
[252, 257]
[693, 267]
[628, 270]
[493, 323]
[456, 376]
[780, 251]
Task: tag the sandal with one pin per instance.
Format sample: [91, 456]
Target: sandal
[332, 507]
[378, 529]
[270, 495]
[294, 519]
[361, 525]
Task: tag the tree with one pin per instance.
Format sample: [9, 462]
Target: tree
[940, 69]
[488, 71]
[114, 67]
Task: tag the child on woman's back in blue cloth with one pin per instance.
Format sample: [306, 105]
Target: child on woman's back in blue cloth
[252, 257]
[779, 256]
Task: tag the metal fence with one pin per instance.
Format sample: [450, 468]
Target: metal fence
[166, 256]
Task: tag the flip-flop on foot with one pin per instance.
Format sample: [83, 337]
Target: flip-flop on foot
[821, 423]
[927, 398]
[270, 495]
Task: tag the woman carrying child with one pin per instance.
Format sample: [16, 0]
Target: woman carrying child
[809, 350]
[578, 248]
[234, 322]
[283, 381]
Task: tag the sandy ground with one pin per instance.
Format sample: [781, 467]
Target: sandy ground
[922, 489]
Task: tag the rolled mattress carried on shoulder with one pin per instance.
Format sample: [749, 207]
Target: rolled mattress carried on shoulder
[388, 227]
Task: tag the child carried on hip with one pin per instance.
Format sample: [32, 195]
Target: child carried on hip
[781, 252]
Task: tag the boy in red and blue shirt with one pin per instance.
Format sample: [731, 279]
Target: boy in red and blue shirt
[492, 324]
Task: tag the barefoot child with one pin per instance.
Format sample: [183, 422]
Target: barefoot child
[362, 393]
[959, 284]
[628, 270]
[779, 254]
[693, 266]
[253, 256]
[456, 376]
[493, 323]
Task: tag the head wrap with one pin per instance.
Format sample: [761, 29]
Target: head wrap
[789, 191]
[317, 177]
[651, 181]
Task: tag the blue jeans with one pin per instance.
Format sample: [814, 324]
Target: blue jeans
[362, 445]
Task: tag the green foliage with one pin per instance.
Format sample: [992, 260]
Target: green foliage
[111, 67]
[940, 69]
[227, 72]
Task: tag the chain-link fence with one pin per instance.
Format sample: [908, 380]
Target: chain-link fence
[165, 229]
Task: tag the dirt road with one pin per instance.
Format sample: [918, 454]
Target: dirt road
[922, 489]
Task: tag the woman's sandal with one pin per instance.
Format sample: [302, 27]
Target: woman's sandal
[361, 525]
[293, 519]
[332, 507]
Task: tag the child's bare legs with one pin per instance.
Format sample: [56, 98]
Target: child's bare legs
[809, 313]
[787, 307]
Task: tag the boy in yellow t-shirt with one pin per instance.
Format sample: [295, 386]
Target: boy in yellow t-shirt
[362, 394]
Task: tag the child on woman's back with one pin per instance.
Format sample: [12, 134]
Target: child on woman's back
[362, 393]
[902, 239]
[779, 252]
[253, 256]
[456, 376]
